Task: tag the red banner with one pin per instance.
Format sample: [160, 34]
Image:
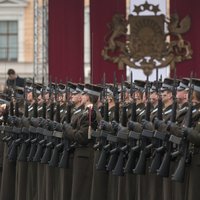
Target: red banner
[66, 31]
[101, 13]
[183, 8]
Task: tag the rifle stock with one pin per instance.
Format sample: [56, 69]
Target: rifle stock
[47, 153]
[132, 159]
[179, 173]
[55, 155]
[39, 152]
[24, 151]
[103, 159]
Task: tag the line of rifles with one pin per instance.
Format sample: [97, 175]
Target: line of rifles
[122, 148]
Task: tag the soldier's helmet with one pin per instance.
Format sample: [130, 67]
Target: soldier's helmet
[196, 84]
[92, 89]
[139, 85]
[71, 86]
[168, 84]
[156, 85]
[79, 88]
[184, 84]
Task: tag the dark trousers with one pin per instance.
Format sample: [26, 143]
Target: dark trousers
[32, 193]
[8, 178]
[99, 181]
[21, 180]
[65, 179]
[82, 173]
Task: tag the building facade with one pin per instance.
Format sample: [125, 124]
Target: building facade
[16, 37]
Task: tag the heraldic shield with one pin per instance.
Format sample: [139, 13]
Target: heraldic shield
[154, 41]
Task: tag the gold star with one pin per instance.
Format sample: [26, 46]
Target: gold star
[156, 9]
[146, 5]
[137, 9]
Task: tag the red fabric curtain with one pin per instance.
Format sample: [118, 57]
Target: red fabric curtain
[101, 12]
[191, 8]
[66, 29]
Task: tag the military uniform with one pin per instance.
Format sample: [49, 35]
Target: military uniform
[21, 176]
[1, 158]
[167, 112]
[84, 153]
[100, 179]
[140, 111]
[8, 177]
[32, 170]
[65, 177]
[194, 168]
[179, 189]
[181, 113]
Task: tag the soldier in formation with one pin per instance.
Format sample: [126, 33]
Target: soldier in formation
[141, 143]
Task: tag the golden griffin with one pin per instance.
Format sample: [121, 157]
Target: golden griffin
[147, 45]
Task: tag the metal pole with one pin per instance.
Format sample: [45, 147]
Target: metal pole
[35, 63]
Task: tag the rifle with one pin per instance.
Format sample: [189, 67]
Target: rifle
[103, 96]
[145, 146]
[132, 147]
[133, 103]
[35, 104]
[101, 134]
[146, 137]
[58, 145]
[15, 122]
[40, 144]
[51, 111]
[64, 160]
[114, 152]
[11, 111]
[69, 104]
[22, 139]
[65, 143]
[158, 137]
[25, 102]
[179, 173]
[124, 117]
[107, 143]
[134, 151]
[102, 143]
[105, 100]
[174, 106]
[23, 153]
[115, 145]
[16, 141]
[105, 113]
[8, 132]
[112, 139]
[33, 142]
[12, 121]
[122, 137]
[116, 98]
[164, 168]
[44, 104]
[57, 104]
[16, 108]
[49, 143]
[35, 132]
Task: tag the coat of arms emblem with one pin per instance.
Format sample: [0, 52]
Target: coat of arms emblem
[153, 41]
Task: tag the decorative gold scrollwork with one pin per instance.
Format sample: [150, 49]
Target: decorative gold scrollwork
[148, 45]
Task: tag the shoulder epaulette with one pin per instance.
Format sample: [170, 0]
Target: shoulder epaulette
[167, 112]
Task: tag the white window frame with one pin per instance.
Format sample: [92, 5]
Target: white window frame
[14, 11]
